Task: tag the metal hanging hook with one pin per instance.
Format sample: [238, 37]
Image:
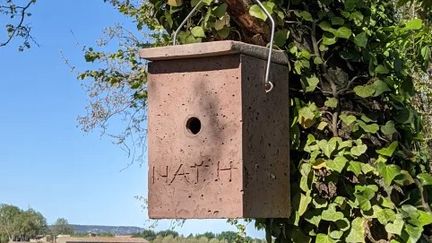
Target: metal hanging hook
[268, 85]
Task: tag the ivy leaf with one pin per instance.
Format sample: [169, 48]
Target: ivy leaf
[304, 202]
[257, 12]
[369, 128]
[425, 179]
[322, 125]
[389, 128]
[331, 102]
[380, 87]
[322, 238]
[413, 233]
[361, 40]
[358, 150]
[313, 217]
[331, 214]
[305, 15]
[337, 164]
[328, 39]
[423, 218]
[364, 91]
[347, 119]
[388, 151]
[414, 24]
[364, 194]
[281, 37]
[357, 232]
[328, 146]
[395, 227]
[336, 234]
[198, 32]
[381, 69]
[385, 215]
[312, 83]
[337, 20]
[224, 33]
[388, 172]
[319, 164]
[404, 178]
[355, 167]
[307, 115]
[425, 53]
[175, 3]
[343, 32]
[366, 168]
[220, 10]
[326, 27]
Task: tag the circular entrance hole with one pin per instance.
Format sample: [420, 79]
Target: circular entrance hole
[193, 125]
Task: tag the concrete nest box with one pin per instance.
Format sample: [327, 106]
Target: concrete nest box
[218, 144]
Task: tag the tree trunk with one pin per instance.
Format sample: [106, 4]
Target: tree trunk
[254, 30]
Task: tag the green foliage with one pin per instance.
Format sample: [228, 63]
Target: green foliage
[173, 236]
[14, 15]
[360, 170]
[20, 225]
[61, 227]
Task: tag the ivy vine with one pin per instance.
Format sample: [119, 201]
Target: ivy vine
[359, 173]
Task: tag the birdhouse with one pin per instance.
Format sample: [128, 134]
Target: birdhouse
[218, 141]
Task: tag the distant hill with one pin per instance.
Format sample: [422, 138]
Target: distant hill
[98, 229]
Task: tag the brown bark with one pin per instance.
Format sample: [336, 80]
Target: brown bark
[254, 30]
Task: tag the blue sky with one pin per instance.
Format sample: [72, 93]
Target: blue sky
[46, 161]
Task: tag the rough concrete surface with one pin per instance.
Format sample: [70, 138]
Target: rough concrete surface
[218, 143]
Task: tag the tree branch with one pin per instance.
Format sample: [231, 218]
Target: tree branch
[20, 25]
